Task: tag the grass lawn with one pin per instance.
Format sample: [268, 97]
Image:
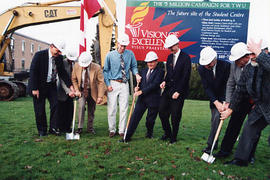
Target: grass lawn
[23, 155]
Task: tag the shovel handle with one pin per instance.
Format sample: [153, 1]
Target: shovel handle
[130, 113]
[216, 135]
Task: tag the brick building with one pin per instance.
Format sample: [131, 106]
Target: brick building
[23, 49]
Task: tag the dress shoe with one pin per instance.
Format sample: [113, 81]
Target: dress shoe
[149, 135]
[207, 150]
[111, 134]
[79, 131]
[124, 141]
[164, 138]
[237, 162]
[42, 133]
[252, 160]
[172, 141]
[92, 131]
[54, 131]
[221, 154]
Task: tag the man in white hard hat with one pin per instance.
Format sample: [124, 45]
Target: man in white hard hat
[65, 96]
[240, 57]
[88, 82]
[45, 66]
[255, 83]
[214, 75]
[117, 65]
[148, 94]
[176, 87]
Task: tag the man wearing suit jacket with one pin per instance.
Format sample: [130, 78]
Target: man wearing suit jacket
[46, 64]
[176, 86]
[255, 83]
[214, 75]
[65, 96]
[148, 94]
[88, 82]
[240, 57]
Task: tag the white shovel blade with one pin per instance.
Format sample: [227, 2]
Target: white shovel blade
[208, 158]
[72, 136]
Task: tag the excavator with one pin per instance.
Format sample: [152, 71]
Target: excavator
[30, 14]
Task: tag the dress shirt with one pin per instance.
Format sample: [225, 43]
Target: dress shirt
[49, 76]
[112, 66]
[83, 75]
[175, 56]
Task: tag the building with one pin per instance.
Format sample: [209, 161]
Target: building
[23, 49]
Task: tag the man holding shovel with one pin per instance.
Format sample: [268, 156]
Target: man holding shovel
[88, 82]
[255, 83]
[240, 56]
[214, 75]
[148, 94]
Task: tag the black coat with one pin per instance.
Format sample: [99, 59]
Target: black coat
[215, 87]
[39, 71]
[256, 86]
[177, 78]
[151, 88]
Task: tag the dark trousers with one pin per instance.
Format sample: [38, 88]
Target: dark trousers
[170, 107]
[215, 120]
[139, 110]
[249, 138]
[65, 114]
[49, 92]
[234, 126]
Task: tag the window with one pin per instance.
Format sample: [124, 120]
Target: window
[23, 46]
[32, 48]
[39, 48]
[23, 64]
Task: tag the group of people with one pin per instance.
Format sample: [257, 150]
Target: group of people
[238, 89]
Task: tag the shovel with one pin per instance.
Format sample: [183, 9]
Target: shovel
[130, 113]
[210, 158]
[72, 135]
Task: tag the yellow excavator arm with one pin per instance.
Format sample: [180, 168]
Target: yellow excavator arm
[33, 14]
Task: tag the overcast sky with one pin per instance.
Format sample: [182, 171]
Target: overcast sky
[259, 22]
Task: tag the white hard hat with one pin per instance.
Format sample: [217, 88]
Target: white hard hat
[171, 40]
[72, 55]
[59, 44]
[151, 56]
[238, 50]
[207, 55]
[123, 40]
[85, 59]
[264, 44]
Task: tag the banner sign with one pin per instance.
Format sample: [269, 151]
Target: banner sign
[196, 24]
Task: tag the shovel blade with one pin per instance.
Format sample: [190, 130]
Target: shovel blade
[72, 136]
[208, 158]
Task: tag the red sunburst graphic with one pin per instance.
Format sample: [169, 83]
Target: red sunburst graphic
[147, 35]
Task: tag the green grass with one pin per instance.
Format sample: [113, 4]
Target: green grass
[24, 156]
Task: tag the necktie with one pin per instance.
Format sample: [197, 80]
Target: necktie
[173, 61]
[148, 75]
[54, 71]
[85, 84]
[124, 77]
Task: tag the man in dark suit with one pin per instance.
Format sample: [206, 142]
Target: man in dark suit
[255, 83]
[176, 86]
[214, 75]
[148, 94]
[46, 64]
[65, 95]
